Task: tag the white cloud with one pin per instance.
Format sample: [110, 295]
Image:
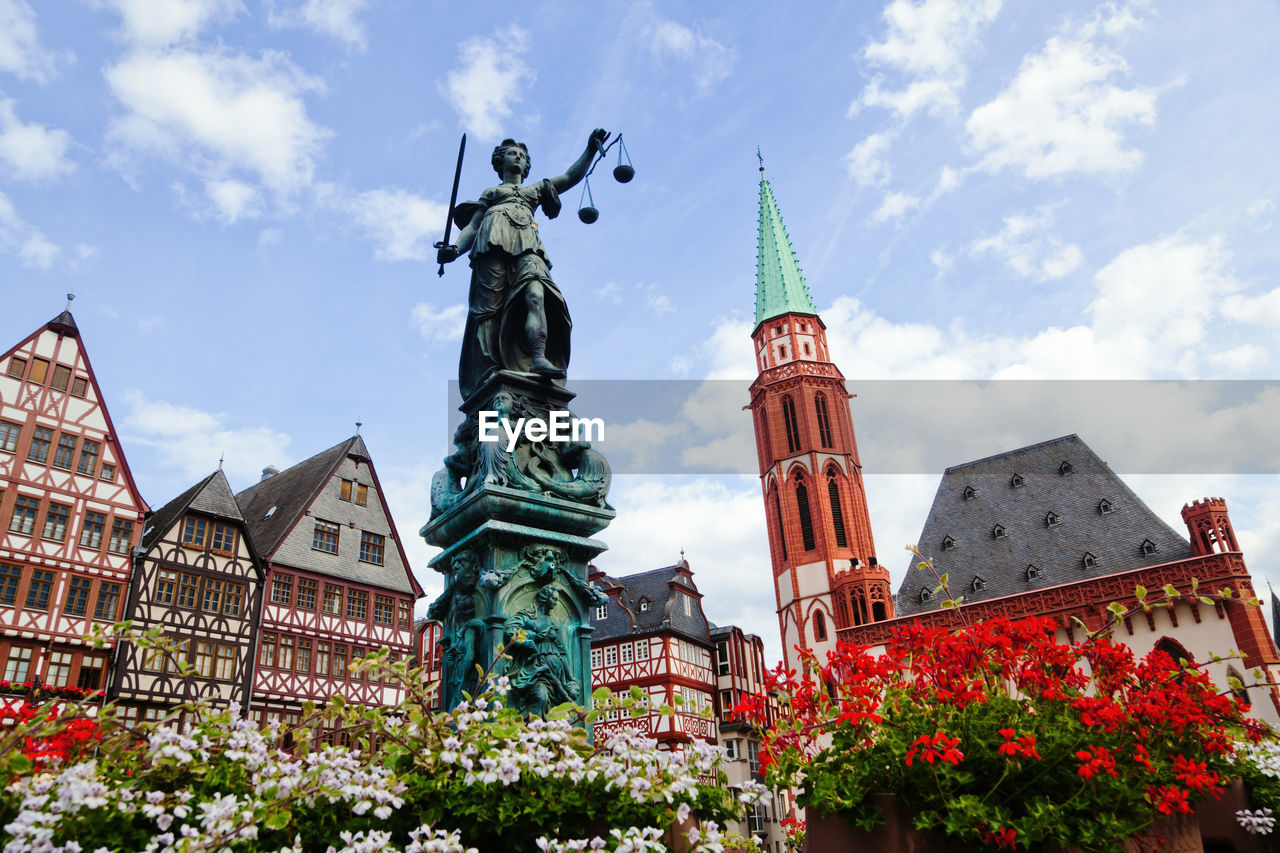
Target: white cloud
[894, 205]
[929, 42]
[489, 81]
[234, 200]
[866, 163]
[439, 326]
[1241, 359]
[23, 240]
[1063, 112]
[218, 114]
[336, 18]
[159, 23]
[1262, 310]
[711, 62]
[20, 50]
[402, 225]
[1025, 245]
[191, 440]
[32, 152]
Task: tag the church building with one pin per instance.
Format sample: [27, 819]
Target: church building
[1046, 530]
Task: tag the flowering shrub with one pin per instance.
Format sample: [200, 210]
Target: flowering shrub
[1259, 766]
[479, 778]
[47, 691]
[1002, 736]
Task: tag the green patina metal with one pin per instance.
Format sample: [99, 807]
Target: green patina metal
[780, 287]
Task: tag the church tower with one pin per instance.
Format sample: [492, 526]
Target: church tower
[826, 575]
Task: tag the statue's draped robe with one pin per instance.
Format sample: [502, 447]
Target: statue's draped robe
[506, 257]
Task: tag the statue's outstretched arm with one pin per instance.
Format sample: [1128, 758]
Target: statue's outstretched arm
[575, 173]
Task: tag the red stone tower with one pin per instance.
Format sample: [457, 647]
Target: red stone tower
[825, 571]
[1209, 527]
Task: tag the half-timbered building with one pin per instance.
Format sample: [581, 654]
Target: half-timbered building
[429, 655]
[652, 634]
[198, 579]
[70, 514]
[338, 582]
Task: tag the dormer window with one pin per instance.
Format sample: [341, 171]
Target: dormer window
[1064, 469]
[1051, 520]
[1105, 507]
[925, 594]
[1148, 547]
[970, 493]
[644, 605]
[997, 532]
[1016, 481]
[1033, 572]
[948, 543]
[978, 584]
[1088, 560]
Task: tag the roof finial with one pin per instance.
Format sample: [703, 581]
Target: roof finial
[70, 298]
[221, 459]
[760, 157]
[358, 425]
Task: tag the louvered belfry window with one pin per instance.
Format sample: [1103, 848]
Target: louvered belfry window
[789, 420]
[824, 419]
[806, 517]
[782, 529]
[837, 511]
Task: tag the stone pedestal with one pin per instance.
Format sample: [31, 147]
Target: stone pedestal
[516, 527]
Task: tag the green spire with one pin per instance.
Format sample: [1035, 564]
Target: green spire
[780, 286]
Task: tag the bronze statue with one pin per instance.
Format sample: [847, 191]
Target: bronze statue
[540, 671]
[517, 318]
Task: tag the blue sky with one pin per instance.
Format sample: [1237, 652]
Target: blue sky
[243, 197]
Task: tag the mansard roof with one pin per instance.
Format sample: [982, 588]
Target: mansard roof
[212, 496]
[1072, 495]
[659, 587]
[274, 506]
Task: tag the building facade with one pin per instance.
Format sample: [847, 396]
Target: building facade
[71, 511]
[338, 583]
[196, 577]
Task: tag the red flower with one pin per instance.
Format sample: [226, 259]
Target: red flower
[933, 748]
[1169, 799]
[1095, 760]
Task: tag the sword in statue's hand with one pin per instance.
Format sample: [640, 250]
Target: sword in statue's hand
[453, 200]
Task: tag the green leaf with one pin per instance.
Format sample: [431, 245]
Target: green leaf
[279, 820]
[1140, 592]
[1117, 609]
[1171, 590]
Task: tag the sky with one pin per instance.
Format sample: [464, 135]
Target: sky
[243, 198]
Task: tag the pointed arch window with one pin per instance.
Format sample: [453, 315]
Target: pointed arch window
[859, 607]
[824, 419]
[819, 626]
[806, 517]
[1088, 560]
[1016, 481]
[1105, 507]
[789, 421]
[1033, 572]
[837, 512]
[997, 532]
[1235, 683]
[1148, 548]
[948, 543]
[1051, 520]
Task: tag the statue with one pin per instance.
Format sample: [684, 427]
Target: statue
[456, 608]
[539, 669]
[516, 316]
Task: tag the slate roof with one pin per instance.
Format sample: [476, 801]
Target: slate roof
[291, 492]
[295, 490]
[1072, 493]
[625, 618]
[65, 322]
[211, 496]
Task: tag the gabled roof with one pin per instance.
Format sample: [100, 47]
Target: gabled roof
[1072, 493]
[211, 496]
[274, 506]
[780, 287]
[659, 588]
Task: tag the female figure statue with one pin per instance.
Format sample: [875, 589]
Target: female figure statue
[539, 669]
[516, 316]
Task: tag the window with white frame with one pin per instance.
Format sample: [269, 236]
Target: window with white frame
[642, 650]
[597, 658]
[626, 652]
[602, 611]
[611, 656]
